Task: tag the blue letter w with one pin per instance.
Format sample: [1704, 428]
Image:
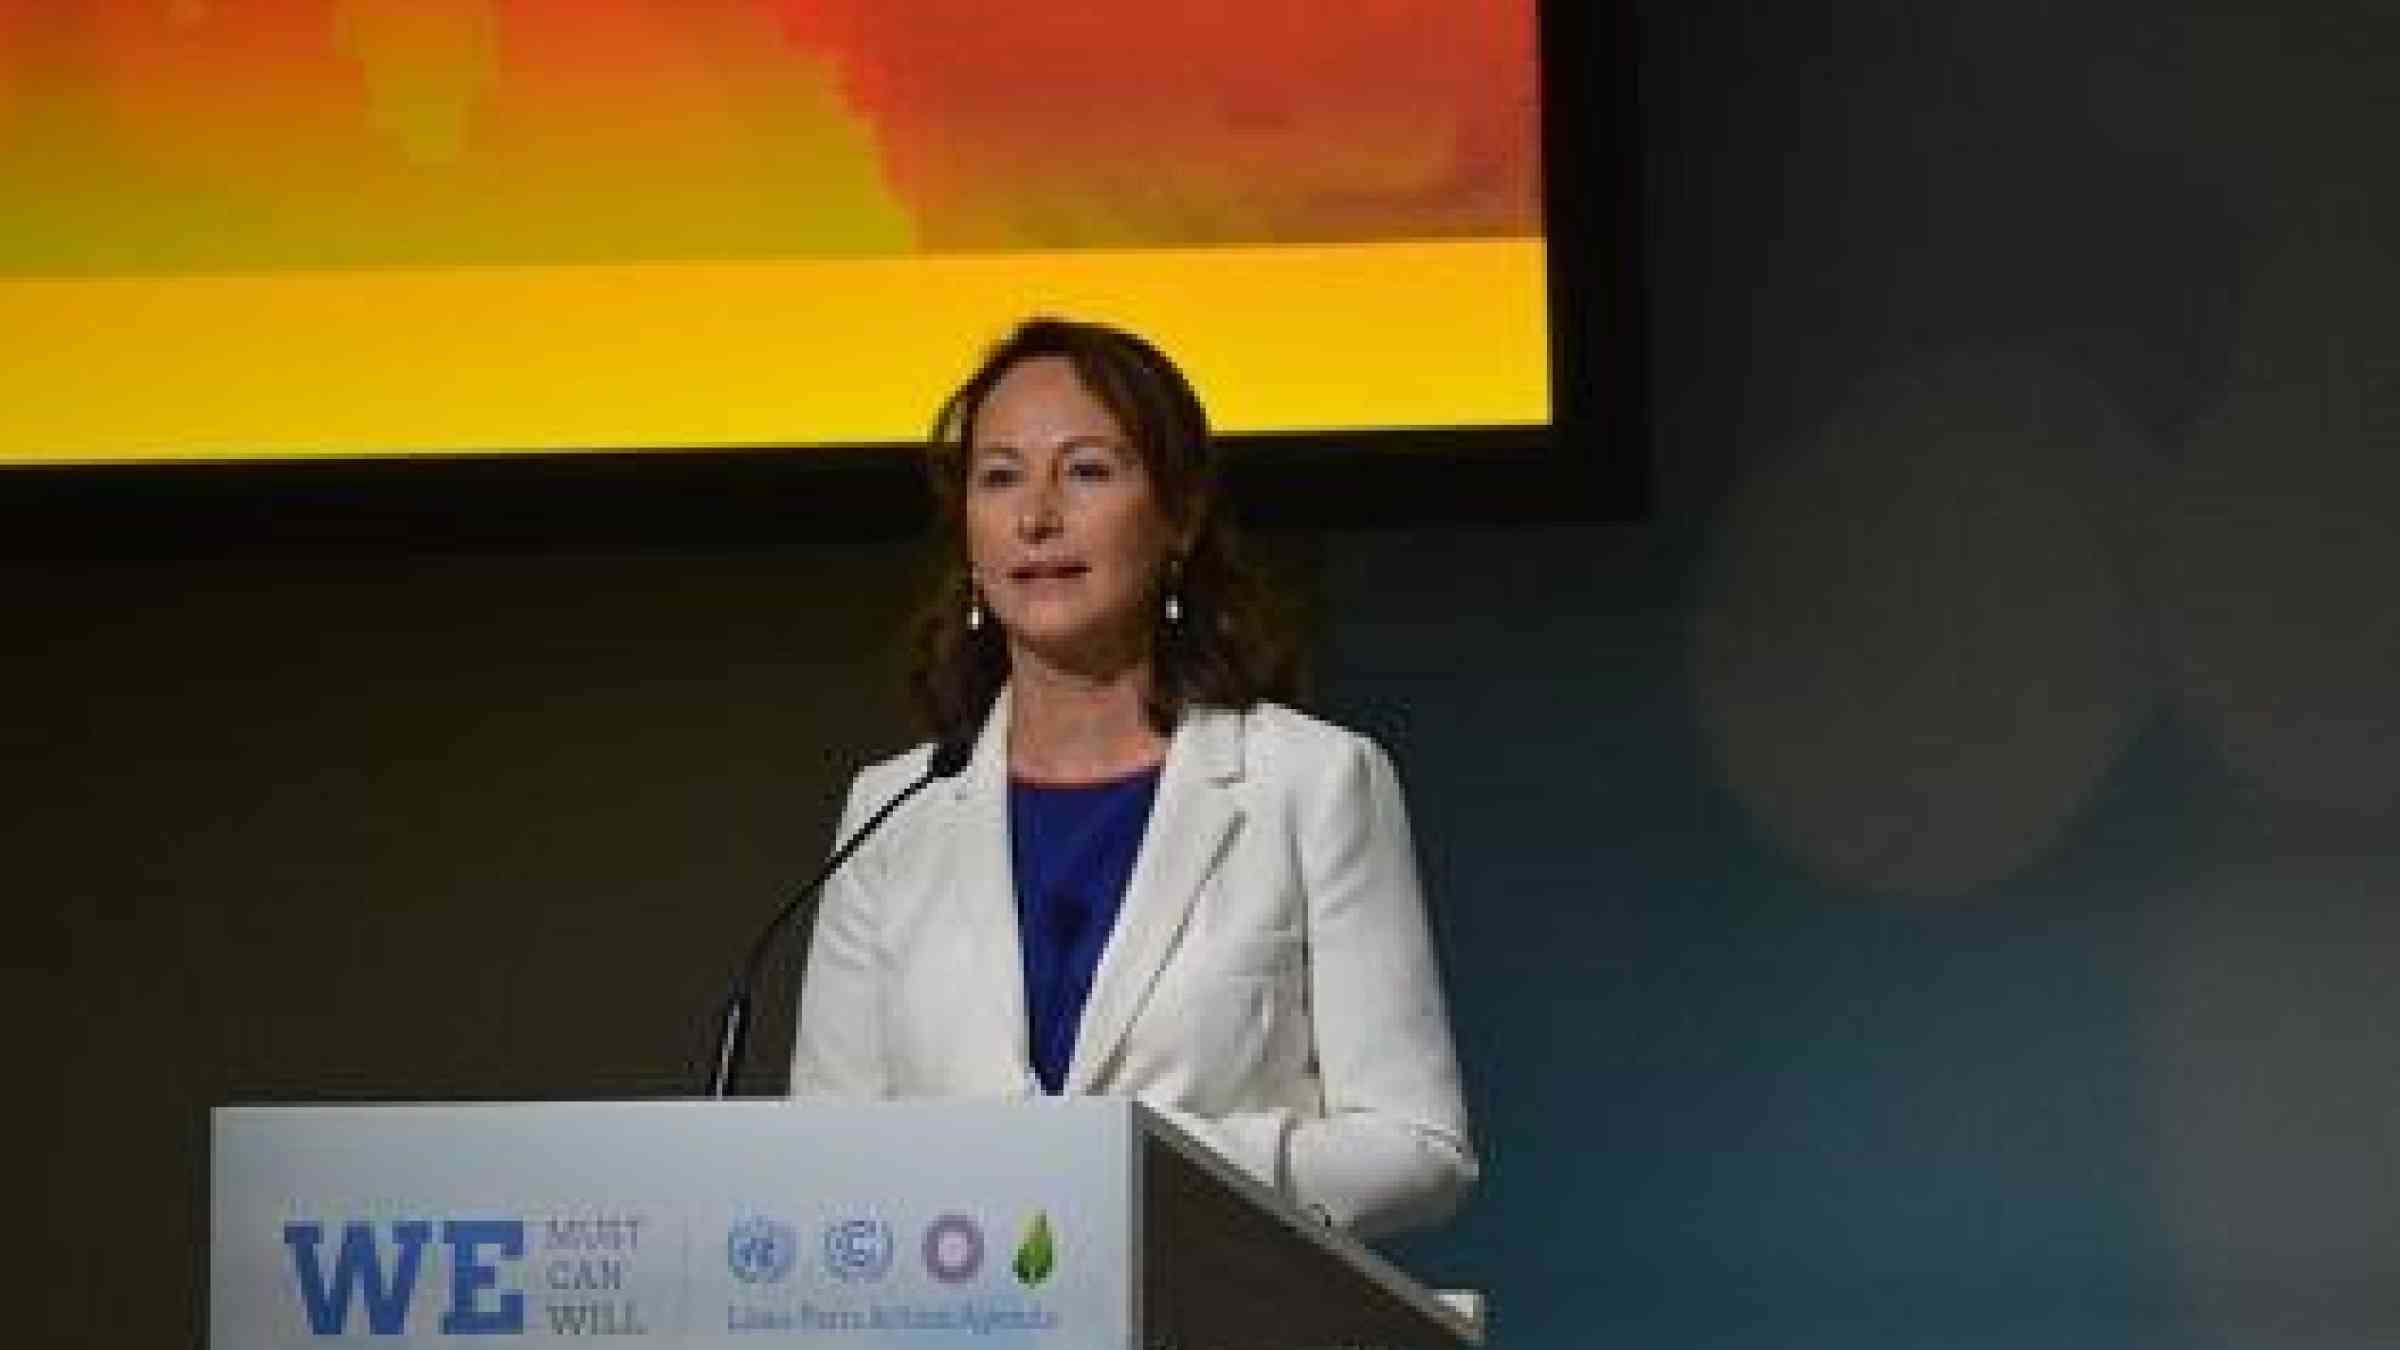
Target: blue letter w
[357, 1265]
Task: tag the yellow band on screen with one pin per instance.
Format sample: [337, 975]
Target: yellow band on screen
[837, 352]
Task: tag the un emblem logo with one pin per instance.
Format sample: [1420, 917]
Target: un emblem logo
[858, 1249]
[760, 1251]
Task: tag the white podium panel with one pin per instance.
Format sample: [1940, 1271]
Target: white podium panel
[676, 1223]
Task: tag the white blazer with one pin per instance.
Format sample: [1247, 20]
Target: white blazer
[1270, 984]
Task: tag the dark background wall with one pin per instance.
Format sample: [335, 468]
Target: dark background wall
[1931, 884]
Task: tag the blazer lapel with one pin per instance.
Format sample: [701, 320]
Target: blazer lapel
[987, 895]
[1189, 824]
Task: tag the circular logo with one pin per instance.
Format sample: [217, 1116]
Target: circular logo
[953, 1248]
[760, 1251]
[858, 1249]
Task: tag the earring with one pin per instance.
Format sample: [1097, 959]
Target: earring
[1174, 583]
[974, 605]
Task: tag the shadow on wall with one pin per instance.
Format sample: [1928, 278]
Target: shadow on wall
[1943, 891]
[1927, 633]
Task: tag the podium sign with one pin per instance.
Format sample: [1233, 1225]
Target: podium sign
[1080, 1222]
[678, 1223]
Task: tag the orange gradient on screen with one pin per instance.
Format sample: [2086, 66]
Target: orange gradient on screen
[279, 227]
[1192, 121]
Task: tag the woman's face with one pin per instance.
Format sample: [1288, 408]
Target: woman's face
[1065, 534]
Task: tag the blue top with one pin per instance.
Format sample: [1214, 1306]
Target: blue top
[1072, 848]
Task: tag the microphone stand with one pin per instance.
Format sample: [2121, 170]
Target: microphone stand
[733, 1025]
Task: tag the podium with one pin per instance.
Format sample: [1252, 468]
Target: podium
[1072, 1222]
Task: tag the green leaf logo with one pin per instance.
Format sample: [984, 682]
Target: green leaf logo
[1036, 1255]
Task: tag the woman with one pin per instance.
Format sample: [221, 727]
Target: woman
[1148, 881]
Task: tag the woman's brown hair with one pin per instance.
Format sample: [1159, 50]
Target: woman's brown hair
[1226, 650]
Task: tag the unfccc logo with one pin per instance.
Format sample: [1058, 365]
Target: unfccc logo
[858, 1249]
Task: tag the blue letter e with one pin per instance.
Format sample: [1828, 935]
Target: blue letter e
[469, 1277]
[356, 1265]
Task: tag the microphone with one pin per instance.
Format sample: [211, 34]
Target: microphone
[733, 1025]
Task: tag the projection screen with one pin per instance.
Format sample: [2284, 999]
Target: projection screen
[252, 230]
